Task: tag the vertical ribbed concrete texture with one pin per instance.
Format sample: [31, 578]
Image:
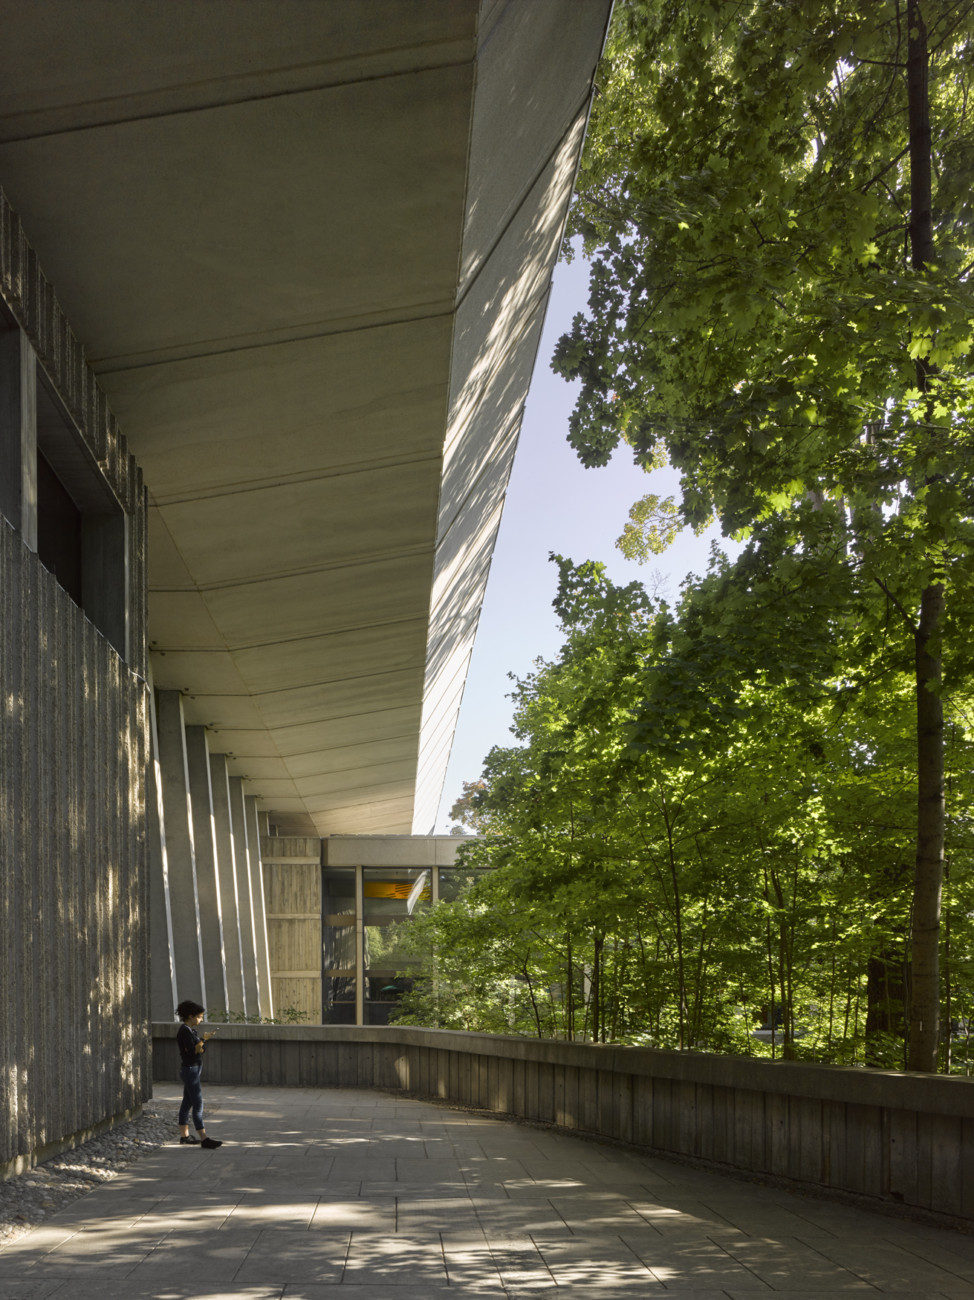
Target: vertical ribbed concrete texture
[74, 976]
[245, 893]
[73, 971]
[207, 872]
[180, 847]
[229, 888]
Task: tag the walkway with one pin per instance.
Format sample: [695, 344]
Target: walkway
[339, 1194]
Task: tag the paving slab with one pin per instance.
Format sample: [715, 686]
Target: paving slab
[339, 1193]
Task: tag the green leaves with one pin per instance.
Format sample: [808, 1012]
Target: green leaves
[746, 194]
[710, 810]
[705, 815]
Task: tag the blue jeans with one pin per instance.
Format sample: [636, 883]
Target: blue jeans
[192, 1095]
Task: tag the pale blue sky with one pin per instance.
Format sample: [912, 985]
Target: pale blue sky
[553, 504]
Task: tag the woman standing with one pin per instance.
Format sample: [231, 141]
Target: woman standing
[191, 1048]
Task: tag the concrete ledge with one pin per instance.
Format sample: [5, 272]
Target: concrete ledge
[904, 1140]
[933, 1094]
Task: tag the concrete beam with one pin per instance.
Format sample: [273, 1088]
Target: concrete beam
[163, 994]
[393, 850]
[180, 848]
[229, 884]
[245, 895]
[215, 993]
[264, 990]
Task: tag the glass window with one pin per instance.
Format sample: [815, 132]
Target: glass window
[392, 897]
[338, 946]
[454, 880]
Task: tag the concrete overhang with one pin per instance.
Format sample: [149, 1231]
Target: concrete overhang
[393, 850]
[307, 248]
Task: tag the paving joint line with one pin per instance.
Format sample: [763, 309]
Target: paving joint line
[851, 1271]
[960, 1277]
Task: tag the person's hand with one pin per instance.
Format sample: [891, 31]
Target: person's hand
[199, 1049]
[208, 1036]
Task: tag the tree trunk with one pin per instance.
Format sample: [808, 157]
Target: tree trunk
[931, 812]
[947, 1041]
[678, 919]
[569, 990]
[924, 1015]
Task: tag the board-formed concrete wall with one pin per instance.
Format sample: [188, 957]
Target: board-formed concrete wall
[886, 1139]
[291, 877]
[73, 724]
[73, 1049]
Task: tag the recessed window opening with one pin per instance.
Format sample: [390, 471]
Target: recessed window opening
[81, 527]
[58, 530]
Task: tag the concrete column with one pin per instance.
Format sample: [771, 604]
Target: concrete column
[207, 872]
[18, 434]
[360, 945]
[163, 994]
[180, 848]
[229, 892]
[245, 890]
[264, 991]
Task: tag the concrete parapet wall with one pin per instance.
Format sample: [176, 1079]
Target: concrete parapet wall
[889, 1139]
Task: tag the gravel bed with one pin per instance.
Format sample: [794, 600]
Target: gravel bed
[29, 1198]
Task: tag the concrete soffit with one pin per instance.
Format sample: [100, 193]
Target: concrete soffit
[312, 291]
[514, 220]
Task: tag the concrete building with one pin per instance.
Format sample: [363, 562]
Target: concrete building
[273, 275]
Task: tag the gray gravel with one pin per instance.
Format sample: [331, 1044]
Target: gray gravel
[28, 1199]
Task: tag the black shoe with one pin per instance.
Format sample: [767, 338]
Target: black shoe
[211, 1144]
[189, 1142]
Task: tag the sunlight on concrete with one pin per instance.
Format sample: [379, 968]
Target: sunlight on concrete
[360, 1194]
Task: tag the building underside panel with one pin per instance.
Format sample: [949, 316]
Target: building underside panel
[307, 249]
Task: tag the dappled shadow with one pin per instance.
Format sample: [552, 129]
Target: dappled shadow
[72, 753]
[355, 1188]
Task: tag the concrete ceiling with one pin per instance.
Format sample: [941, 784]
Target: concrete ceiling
[307, 247]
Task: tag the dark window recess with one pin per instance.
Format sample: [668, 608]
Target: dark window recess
[58, 530]
[81, 527]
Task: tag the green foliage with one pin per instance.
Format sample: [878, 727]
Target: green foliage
[745, 200]
[285, 1016]
[652, 527]
[681, 848]
[776, 203]
[735, 809]
[756, 313]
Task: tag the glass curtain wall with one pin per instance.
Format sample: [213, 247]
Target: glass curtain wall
[364, 970]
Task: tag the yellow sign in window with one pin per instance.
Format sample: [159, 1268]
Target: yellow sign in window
[388, 888]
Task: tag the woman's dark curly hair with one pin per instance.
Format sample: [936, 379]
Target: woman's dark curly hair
[189, 1008]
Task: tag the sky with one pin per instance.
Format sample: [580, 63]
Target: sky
[553, 504]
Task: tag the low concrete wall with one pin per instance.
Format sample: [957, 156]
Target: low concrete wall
[894, 1139]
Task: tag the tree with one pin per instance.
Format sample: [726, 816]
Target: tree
[703, 823]
[777, 202]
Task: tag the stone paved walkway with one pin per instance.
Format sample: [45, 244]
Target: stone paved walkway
[340, 1194]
